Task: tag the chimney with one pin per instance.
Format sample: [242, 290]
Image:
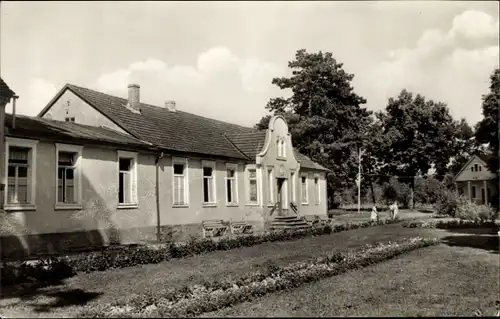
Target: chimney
[134, 96]
[170, 105]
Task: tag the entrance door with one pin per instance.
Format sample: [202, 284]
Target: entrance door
[280, 195]
[483, 196]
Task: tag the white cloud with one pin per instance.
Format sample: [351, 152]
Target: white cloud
[475, 24]
[442, 66]
[31, 102]
[221, 85]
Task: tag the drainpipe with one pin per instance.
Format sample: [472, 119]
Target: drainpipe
[14, 98]
[158, 224]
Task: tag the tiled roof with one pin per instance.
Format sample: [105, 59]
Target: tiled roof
[178, 131]
[250, 144]
[5, 91]
[41, 128]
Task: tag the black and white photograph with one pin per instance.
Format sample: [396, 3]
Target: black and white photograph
[249, 159]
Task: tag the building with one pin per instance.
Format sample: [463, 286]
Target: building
[476, 182]
[93, 169]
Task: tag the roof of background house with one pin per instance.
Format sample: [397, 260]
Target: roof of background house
[5, 91]
[59, 131]
[177, 131]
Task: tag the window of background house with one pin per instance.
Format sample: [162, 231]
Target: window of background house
[475, 167]
[208, 185]
[69, 119]
[473, 192]
[316, 188]
[18, 166]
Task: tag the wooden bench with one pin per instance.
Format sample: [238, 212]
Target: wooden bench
[241, 227]
[213, 228]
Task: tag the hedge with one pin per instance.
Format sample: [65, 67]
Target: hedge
[450, 224]
[132, 256]
[197, 299]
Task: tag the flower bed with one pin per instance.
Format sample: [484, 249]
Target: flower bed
[451, 224]
[197, 299]
[139, 255]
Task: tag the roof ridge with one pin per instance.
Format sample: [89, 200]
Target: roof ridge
[160, 107]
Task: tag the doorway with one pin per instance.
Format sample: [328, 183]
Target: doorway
[483, 196]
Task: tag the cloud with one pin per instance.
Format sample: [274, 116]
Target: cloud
[443, 66]
[474, 24]
[221, 85]
[38, 94]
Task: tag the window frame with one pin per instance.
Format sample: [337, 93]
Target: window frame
[306, 187]
[473, 187]
[212, 165]
[77, 176]
[184, 161]
[133, 185]
[31, 174]
[235, 201]
[249, 168]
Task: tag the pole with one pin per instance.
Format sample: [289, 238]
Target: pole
[360, 154]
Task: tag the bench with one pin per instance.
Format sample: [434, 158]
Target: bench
[213, 228]
[241, 227]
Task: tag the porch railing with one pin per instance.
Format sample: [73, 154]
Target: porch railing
[294, 207]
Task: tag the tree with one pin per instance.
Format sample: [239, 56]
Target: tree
[325, 116]
[418, 133]
[487, 129]
[465, 146]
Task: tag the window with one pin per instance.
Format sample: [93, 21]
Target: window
[281, 147]
[231, 185]
[208, 182]
[472, 168]
[21, 170]
[473, 192]
[305, 194]
[270, 185]
[18, 175]
[127, 180]
[252, 186]
[68, 178]
[475, 167]
[180, 182]
[317, 190]
[69, 119]
[294, 186]
[480, 168]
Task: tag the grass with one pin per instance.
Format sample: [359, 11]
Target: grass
[117, 285]
[434, 281]
[70, 296]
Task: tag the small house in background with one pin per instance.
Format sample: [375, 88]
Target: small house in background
[476, 182]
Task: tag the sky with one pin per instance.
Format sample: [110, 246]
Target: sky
[217, 59]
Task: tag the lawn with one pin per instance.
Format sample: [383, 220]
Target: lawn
[117, 285]
[433, 281]
[73, 294]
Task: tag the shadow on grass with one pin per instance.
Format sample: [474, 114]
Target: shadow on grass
[493, 230]
[486, 242]
[59, 295]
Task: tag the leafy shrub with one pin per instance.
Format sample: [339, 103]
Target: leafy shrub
[471, 211]
[428, 190]
[450, 224]
[448, 202]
